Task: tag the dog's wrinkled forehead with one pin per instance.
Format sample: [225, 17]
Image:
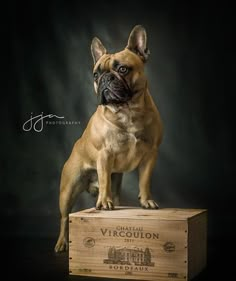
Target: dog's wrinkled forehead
[124, 58]
[104, 63]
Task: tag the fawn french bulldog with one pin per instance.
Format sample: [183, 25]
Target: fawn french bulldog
[123, 134]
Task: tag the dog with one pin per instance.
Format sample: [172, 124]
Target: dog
[123, 134]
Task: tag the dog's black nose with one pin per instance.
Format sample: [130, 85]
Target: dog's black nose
[110, 77]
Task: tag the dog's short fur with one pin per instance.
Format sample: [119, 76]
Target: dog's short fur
[123, 134]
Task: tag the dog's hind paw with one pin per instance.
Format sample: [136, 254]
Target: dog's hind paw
[93, 190]
[61, 246]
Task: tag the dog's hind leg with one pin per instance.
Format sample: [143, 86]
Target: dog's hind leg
[116, 181]
[72, 184]
[93, 186]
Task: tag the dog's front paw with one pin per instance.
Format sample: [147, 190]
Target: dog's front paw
[149, 204]
[61, 246]
[105, 204]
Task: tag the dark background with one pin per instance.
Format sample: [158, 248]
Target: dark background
[47, 67]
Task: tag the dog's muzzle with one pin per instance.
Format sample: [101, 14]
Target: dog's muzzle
[113, 89]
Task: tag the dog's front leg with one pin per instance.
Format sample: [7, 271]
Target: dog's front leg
[104, 168]
[145, 172]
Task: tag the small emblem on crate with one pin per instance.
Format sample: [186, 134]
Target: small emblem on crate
[89, 242]
[129, 256]
[169, 247]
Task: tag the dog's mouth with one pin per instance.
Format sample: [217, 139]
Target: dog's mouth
[109, 96]
[112, 89]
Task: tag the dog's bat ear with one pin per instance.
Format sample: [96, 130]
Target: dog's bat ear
[97, 49]
[137, 42]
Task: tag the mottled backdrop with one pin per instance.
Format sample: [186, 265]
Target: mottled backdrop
[47, 67]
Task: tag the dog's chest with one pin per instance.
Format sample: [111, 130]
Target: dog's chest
[127, 136]
[131, 133]
[128, 149]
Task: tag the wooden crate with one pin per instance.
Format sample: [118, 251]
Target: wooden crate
[134, 243]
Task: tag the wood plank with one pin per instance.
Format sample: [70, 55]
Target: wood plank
[139, 213]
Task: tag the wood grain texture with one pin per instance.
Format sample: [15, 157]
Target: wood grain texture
[133, 243]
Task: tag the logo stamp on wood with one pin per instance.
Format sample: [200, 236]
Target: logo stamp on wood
[129, 256]
[169, 247]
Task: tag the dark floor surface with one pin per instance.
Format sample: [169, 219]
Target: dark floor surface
[34, 259]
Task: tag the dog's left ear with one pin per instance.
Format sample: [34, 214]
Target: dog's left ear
[97, 49]
[137, 42]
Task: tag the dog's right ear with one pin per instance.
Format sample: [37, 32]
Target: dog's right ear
[97, 49]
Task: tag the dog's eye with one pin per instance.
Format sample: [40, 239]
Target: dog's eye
[95, 76]
[123, 70]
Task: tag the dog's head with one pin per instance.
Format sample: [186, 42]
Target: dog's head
[120, 76]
